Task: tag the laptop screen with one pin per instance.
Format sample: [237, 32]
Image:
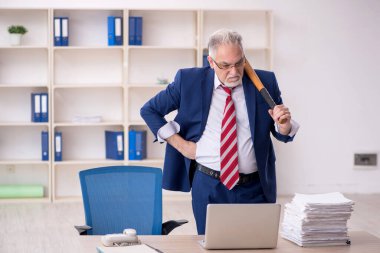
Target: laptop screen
[242, 226]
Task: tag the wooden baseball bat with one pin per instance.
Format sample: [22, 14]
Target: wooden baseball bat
[260, 87]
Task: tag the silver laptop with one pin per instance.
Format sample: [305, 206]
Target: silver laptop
[241, 226]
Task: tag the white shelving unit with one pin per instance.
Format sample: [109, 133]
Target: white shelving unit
[255, 26]
[23, 70]
[90, 78]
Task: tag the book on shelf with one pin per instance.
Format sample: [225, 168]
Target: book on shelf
[204, 58]
[61, 31]
[135, 30]
[137, 145]
[45, 145]
[36, 107]
[58, 146]
[131, 31]
[57, 32]
[65, 31]
[114, 145]
[40, 107]
[44, 107]
[115, 31]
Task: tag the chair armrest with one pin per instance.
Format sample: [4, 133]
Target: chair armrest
[82, 230]
[168, 226]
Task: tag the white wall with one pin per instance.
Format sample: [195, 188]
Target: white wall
[326, 60]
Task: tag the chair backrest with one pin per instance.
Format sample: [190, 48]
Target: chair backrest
[119, 197]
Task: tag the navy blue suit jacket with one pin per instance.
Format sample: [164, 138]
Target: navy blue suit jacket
[191, 94]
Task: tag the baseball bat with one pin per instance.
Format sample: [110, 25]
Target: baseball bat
[260, 87]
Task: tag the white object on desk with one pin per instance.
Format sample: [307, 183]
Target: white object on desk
[142, 248]
[317, 219]
[127, 238]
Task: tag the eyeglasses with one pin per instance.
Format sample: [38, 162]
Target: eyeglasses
[230, 66]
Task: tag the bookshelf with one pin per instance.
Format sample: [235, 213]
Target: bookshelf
[23, 70]
[89, 78]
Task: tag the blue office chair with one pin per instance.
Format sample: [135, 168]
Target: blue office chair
[120, 197]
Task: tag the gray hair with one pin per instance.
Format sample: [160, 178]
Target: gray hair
[221, 37]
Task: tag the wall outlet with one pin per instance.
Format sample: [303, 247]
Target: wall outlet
[11, 169]
[365, 159]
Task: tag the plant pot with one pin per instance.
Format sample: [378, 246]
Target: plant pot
[15, 39]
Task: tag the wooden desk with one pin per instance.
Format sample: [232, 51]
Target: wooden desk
[361, 242]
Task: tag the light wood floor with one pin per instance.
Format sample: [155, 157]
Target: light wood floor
[37, 223]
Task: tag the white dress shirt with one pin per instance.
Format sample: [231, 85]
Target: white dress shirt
[208, 146]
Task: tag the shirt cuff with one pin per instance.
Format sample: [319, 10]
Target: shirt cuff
[293, 129]
[167, 130]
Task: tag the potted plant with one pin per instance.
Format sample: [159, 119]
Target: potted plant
[16, 31]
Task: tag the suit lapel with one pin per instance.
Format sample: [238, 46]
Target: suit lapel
[250, 100]
[207, 89]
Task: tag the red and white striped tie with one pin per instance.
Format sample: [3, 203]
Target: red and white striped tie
[229, 172]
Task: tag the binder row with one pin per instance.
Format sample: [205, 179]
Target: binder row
[61, 31]
[40, 107]
[135, 30]
[57, 146]
[114, 141]
[114, 145]
[115, 31]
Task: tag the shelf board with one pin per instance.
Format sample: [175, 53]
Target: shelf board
[24, 47]
[68, 199]
[24, 86]
[24, 162]
[110, 162]
[256, 48]
[94, 162]
[150, 86]
[161, 47]
[249, 48]
[76, 124]
[136, 123]
[25, 200]
[76, 86]
[145, 162]
[36, 124]
[87, 48]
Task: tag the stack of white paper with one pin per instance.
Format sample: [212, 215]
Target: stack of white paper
[87, 119]
[317, 219]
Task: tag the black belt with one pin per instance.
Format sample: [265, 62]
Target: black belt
[243, 178]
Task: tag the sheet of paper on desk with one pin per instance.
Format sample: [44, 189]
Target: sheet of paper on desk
[142, 248]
